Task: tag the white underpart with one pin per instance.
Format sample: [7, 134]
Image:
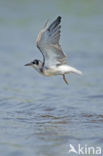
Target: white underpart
[60, 70]
[65, 69]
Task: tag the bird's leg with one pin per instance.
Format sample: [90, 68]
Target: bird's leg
[64, 78]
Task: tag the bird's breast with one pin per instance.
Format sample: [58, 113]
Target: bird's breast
[48, 72]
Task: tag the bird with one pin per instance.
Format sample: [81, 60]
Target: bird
[54, 59]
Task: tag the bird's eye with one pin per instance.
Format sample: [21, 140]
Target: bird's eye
[35, 62]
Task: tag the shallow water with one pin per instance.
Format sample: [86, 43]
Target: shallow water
[42, 116]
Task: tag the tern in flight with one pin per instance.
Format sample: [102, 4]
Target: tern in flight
[54, 59]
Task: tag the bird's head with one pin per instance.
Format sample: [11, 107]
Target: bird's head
[37, 64]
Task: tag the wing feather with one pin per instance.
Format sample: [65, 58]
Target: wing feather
[48, 44]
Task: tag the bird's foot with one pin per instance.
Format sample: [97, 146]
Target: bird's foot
[64, 78]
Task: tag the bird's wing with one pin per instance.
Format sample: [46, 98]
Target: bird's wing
[48, 44]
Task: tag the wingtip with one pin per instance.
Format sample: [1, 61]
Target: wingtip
[59, 18]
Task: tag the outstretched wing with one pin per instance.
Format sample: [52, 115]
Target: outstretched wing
[48, 44]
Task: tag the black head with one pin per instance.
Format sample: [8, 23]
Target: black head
[36, 62]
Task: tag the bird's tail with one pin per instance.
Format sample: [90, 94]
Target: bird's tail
[76, 71]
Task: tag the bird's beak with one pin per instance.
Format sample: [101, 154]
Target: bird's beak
[29, 64]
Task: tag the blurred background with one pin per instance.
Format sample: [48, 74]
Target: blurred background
[39, 115]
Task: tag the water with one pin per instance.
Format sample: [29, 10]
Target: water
[42, 116]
